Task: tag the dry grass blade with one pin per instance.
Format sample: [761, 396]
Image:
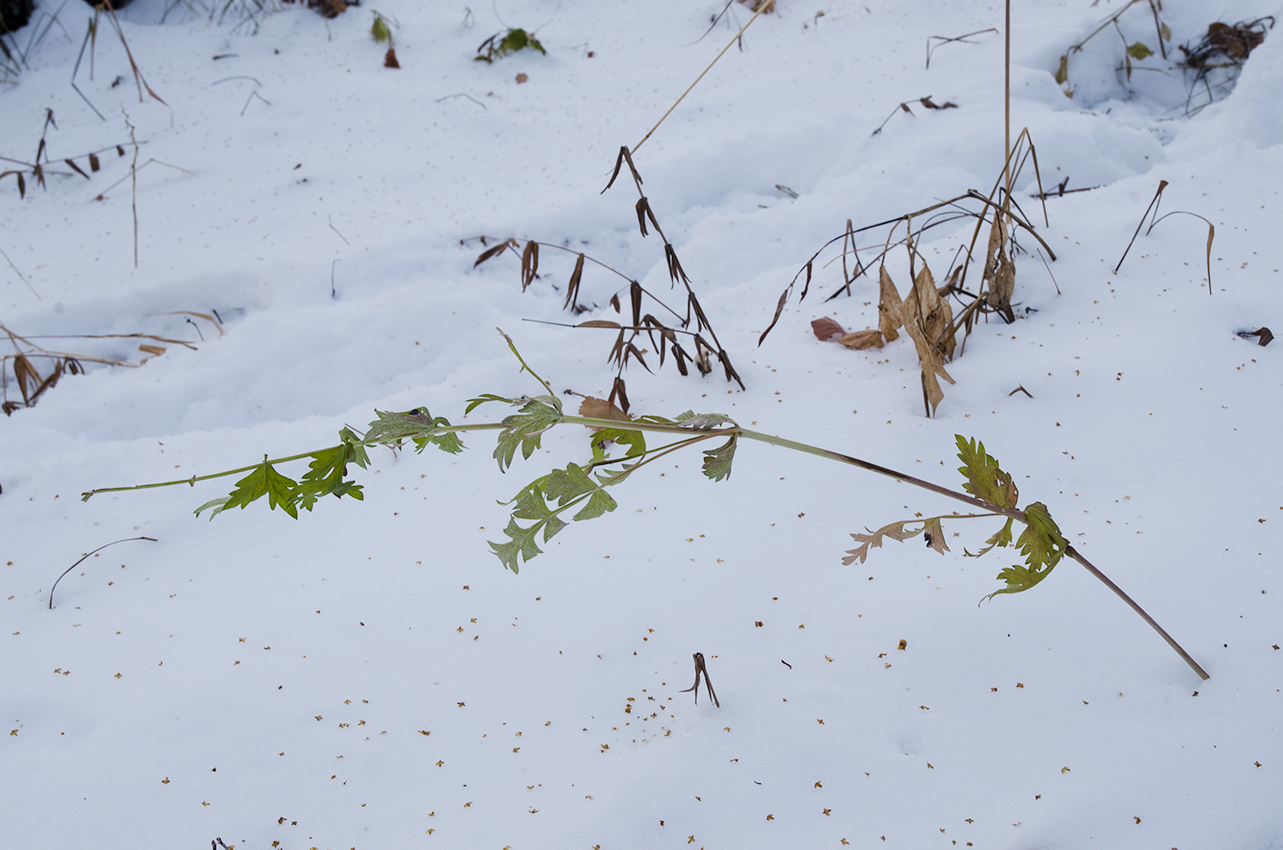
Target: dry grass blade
[1162, 184]
[600, 323]
[76, 168]
[762, 8]
[961, 39]
[1211, 234]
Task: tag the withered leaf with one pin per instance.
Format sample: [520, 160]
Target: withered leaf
[494, 251]
[826, 328]
[93, 162]
[929, 104]
[999, 274]
[529, 264]
[389, 59]
[1062, 72]
[572, 289]
[927, 318]
[598, 323]
[596, 408]
[76, 168]
[934, 535]
[614, 302]
[1263, 335]
[888, 306]
[861, 340]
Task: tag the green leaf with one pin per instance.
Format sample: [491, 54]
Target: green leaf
[1042, 545]
[219, 505]
[569, 483]
[486, 398]
[524, 429]
[717, 462]
[600, 502]
[1139, 51]
[379, 29]
[703, 421]
[263, 481]
[1001, 538]
[327, 473]
[417, 424]
[984, 479]
[635, 440]
[522, 543]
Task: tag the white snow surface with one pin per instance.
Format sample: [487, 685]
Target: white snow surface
[369, 676]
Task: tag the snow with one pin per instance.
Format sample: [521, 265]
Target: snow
[260, 679]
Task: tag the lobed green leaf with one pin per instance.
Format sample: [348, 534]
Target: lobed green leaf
[984, 478]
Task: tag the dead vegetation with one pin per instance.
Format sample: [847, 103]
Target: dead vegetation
[1216, 61]
[925, 313]
[666, 336]
[31, 370]
[39, 167]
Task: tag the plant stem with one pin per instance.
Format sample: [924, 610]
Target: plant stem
[1077, 556]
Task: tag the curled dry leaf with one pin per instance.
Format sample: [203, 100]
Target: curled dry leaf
[861, 340]
[389, 59]
[826, 328]
[888, 306]
[928, 320]
[596, 408]
[1000, 274]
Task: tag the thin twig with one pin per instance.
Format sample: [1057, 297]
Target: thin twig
[759, 11]
[99, 549]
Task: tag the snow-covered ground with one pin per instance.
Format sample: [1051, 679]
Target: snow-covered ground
[369, 676]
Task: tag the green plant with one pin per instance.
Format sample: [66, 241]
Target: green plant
[501, 44]
[618, 449]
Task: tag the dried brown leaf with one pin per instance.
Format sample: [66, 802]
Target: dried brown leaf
[529, 264]
[76, 168]
[889, 320]
[154, 350]
[93, 162]
[614, 302]
[598, 323]
[617, 391]
[493, 251]
[999, 274]
[635, 296]
[927, 319]
[389, 59]
[863, 339]
[572, 289]
[642, 209]
[826, 328]
[596, 408]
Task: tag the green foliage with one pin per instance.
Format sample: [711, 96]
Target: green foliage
[984, 478]
[417, 424]
[263, 481]
[1139, 51]
[1042, 545]
[544, 500]
[524, 428]
[511, 41]
[717, 462]
[379, 29]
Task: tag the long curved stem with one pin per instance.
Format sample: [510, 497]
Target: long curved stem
[1077, 556]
